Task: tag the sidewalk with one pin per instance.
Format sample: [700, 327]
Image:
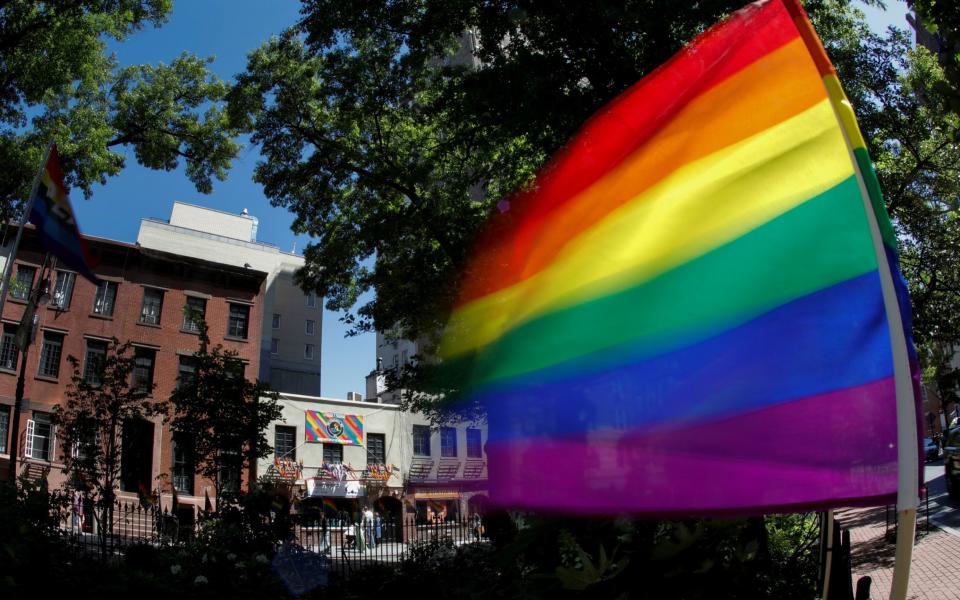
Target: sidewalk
[934, 572]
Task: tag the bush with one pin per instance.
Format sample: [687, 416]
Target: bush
[31, 547]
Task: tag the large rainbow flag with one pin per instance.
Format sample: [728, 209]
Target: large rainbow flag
[695, 310]
[51, 212]
[331, 428]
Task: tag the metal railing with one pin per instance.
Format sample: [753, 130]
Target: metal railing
[345, 545]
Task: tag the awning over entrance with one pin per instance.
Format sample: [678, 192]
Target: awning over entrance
[334, 489]
[437, 495]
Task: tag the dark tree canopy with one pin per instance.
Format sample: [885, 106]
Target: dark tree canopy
[59, 83]
[940, 19]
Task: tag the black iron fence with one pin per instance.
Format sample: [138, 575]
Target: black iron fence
[343, 545]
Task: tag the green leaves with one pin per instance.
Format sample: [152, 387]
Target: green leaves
[170, 112]
[223, 414]
[58, 83]
[589, 574]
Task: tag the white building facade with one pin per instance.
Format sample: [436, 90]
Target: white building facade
[343, 455]
[292, 321]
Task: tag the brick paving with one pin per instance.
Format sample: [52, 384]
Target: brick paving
[935, 569]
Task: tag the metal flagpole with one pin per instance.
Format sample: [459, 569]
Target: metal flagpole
[24, 338]
[827, 532]
[8, 267]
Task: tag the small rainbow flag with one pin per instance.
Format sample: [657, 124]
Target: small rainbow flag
[329, 503]
[697, 309]
[56, 225]
[330, 428]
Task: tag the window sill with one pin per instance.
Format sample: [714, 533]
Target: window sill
[8, 371]
[189, 331]
[154, 325]
[57, 308]
[16, 300]
[236, 339]
[47, 378]
[99, 316]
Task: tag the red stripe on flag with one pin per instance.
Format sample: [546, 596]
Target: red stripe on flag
[643, 109]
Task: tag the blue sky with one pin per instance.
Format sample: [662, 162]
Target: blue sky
[228, 30]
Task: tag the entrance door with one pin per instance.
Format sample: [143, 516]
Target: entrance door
[136, 458]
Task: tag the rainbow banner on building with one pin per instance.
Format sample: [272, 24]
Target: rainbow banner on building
[56, 224]
[695, 309]
[331, 428]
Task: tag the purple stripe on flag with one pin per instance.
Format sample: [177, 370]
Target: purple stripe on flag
[833, 449]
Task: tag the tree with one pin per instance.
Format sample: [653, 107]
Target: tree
[391, 150]
[392, 129]
[905, 111]
[102, 396]
[223, 414]
[60, 83]
[941, 19]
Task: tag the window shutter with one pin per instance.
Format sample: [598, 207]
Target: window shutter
[53, 443]
[28, 441]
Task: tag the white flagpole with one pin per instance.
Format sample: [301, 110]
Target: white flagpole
[908, 475]
[8, 267]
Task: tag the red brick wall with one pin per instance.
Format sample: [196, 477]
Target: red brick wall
[133, 269]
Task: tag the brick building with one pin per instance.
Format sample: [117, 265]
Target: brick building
[142, 300]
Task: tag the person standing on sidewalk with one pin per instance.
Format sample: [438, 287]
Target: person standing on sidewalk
[368, 528]
[324, 534]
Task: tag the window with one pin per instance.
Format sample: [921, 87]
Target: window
[404, 360]
[8, 347]
[194, 313]
[151, 306]
[105, 298]
[143, 361]
[183, 464]
[93, 361]
[185, 370]
[274, 346]
[239, 318]
[50, 354]
[311, 300]
[376, 449]
[309, 327]
[230, 471]
[332, 453]
[39, 438]
[4, 428]
[23, 283]
[63, 290]
[284, 442]
[448, 442]
[86, 445]
[235, 368]
[276, 320]
[421, 440]
[474, 443]
[308, 351]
